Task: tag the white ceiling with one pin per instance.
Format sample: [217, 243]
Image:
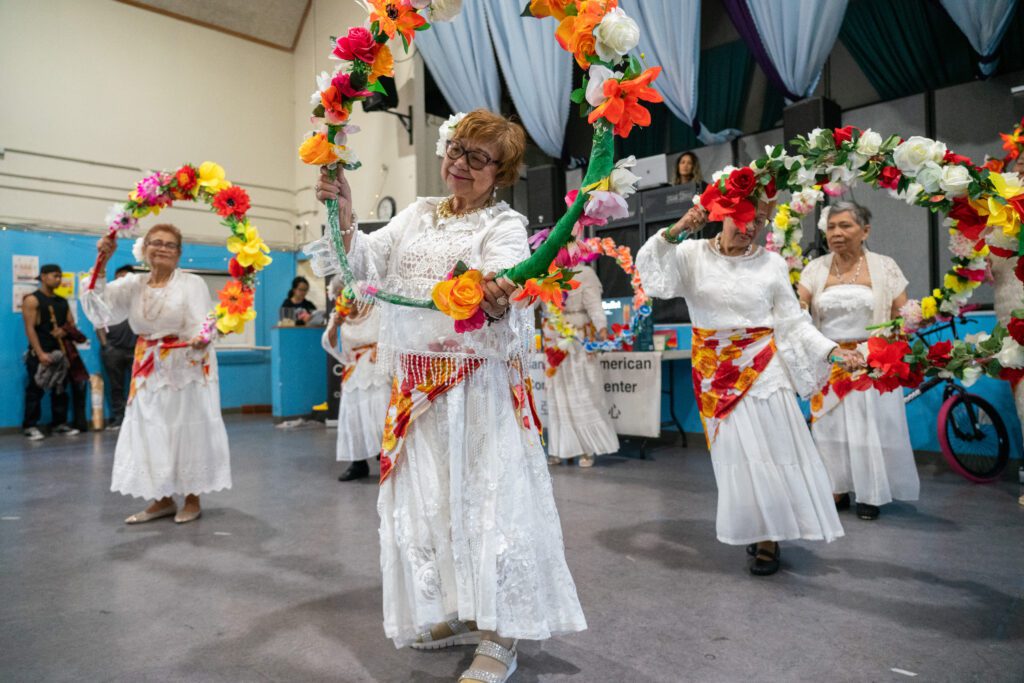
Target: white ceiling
[271, 22]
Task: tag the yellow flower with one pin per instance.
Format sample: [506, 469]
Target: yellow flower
[781, 220]
[937, 293]
[929, 307]
[251, 250]
[142, 210]
[955, 283]
[211, 177]
[983, 252]
[794, 277]
[232, 322]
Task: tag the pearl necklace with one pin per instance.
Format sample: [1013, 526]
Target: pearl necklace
[856, 271]
[444, 208]
[718, 247]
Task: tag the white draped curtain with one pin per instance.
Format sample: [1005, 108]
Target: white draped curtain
[537, 71]
[984, 23]
[798, 36]
[461, 59]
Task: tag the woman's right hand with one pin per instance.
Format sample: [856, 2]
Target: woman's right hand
[337, 188]
[106, 245]
[692, 221]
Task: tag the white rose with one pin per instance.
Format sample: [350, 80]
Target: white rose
[971, 375]
[616, 35]
[977, 338]
[928, 176]
[806, 177]
[1011, 355]
[595, 86]
[724, 172]
[869, 143]
[622, 180]
[910, 195]
[955, 180]
[789, 162]
[445, 10]
[805, 200]
[911, 154]
[823, 221]
[798, 236]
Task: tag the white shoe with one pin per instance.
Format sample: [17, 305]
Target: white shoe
[586, 461]
[461, 635]
[488, 648]
[554, 460]
[33, 434]
[66, 430]
[142, 517]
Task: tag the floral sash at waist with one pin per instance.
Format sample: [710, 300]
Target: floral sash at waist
[840, 384]
[413, 396]
[726, 363]
[152, 355]
[357, 354]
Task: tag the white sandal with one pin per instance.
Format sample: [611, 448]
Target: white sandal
[461, 635]
[488, 648]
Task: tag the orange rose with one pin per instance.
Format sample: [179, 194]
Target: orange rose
[747, 378]
[708, 403]
[317, 151]
[548, 8]
[383, 64]
[730, 352]
[705, 362]
[460, 297]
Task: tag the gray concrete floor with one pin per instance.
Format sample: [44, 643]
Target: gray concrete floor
[279, 579]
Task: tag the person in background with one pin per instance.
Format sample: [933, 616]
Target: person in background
[295, 305]
[688, 172]
[117, 351]
[45, 315]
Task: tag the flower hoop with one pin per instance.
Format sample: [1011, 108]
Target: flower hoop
[984, 211]
[204, 183]
[596, 32]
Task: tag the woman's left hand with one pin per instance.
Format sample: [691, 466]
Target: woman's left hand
[198, 343]
[497, 295]
[850, 359]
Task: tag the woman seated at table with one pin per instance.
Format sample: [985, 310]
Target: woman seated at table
[295, 306]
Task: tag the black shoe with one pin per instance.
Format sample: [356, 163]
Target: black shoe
[844, 502]
[766, 562]
[752, 549]
[357, 470]
[869, 512]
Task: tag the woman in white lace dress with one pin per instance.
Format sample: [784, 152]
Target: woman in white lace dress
[752, 345]
[862, 433]
[172, 441]
[471, 544]
[365, 387]
[579, 424]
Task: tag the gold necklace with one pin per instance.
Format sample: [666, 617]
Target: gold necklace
[444, 208]
[718, 248]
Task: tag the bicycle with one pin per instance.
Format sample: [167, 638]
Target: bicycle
[972, 434]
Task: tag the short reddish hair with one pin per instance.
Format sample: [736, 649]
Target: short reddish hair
[166, 227]
[481, 125]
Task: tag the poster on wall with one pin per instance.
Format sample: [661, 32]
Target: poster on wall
[632, 384]
[67, 286]
[540, 397]
[19, 291]
[24, 267]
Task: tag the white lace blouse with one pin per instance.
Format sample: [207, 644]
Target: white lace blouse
[726, 292]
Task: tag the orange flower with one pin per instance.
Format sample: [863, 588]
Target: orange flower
[622, 109]
[383, 64]
[549, 8]
[576, 34]
[317, 151]
[817, 402]
[396, 16]
[235, 298]
[705, 361]
[747, 377]
[1012, 142]
[548, 289]
[708, 404]
[460, 297]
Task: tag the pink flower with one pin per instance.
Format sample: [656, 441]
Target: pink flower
[586, 219]
[358, 44]
[150, 189]
[344, 86]
[975, 275]
[538, 237]
[473, 322]
[912, 316]
[833, 189]
[606, 206]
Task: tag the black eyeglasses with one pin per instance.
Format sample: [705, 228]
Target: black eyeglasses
[477, 160]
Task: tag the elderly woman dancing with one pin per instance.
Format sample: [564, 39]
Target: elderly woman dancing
[471, 545]
[750, 339]
[173, 440]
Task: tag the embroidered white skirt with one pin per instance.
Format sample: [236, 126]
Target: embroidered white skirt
[772, 484]
[865, 444]
[578, 423]
[172, 442]
[363, 406]
[468, 525]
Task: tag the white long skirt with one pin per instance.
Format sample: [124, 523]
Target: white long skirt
[772, 484]
[579, 423]
[361, 421]
[468, 525]
[865, 444]
[172, 441]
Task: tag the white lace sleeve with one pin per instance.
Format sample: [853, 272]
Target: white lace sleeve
[109, 303]
[896, 281]
[664, 267]
[369, 253]
[198, 304]
[803, 348]
[505, 244]
[590, 287]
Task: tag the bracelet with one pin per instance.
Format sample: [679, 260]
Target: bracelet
[491, 319]
[666, 234]
[354, 225]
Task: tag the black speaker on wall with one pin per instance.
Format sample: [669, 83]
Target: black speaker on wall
[545, 187]
[382, 101]
[804, 116]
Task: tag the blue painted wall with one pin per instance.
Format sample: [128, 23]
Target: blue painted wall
[298, 370]
[244, 375]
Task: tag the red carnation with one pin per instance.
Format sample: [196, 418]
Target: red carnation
[358, 44]
[939, 353]
[887, 356]
[740, 183]
[237, 270]
[231, 201]
[770, 190]
[951, 158]
[969, 222]
[889, 178]
[841, 135]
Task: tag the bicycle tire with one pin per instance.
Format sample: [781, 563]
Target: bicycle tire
[964, 464]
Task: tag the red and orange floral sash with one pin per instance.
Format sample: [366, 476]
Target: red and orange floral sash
[357, 354]
[726, 363]
[147, 352]
[840, 384]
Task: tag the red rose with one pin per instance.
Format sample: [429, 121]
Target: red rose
[951, 158]
[1018, 269]
[770, 190]
[720, 207]
[343, 83]
[889, 178]
[1012, 375]
[969, 222]
[886, 383]
[358, 44]
[237, 270]
[841, 135]
[939, 353]
[740, 183]
[1016, 329]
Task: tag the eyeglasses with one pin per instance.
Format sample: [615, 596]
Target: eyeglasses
[159, 244]
[477, 160]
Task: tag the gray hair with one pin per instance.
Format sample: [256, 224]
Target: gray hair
[860, 214]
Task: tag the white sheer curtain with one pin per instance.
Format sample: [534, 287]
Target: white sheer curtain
[537, 71]
[670, 38]
[984, 22]
[798, 36]
[461, 59]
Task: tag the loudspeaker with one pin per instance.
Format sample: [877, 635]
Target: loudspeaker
[379, 102]
[546, 194]
[804, 116]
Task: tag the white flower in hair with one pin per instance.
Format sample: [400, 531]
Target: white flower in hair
[446, 131]
[137, 252]
[823, 221]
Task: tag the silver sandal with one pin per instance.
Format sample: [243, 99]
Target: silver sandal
[461, 635]
[489, 648]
